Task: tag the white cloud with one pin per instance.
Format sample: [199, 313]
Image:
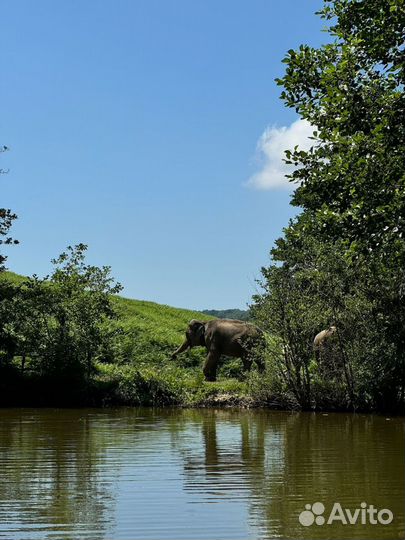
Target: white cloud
[270, 149]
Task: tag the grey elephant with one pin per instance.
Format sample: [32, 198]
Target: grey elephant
[223, 336]
[321, 341]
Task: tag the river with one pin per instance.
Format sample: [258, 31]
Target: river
[198, 474]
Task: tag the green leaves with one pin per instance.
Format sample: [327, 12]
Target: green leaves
[59, 322]
[356, 105]
[351, 190]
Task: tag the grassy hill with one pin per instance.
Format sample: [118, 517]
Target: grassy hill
[140, 371]
[11, 276]
[153, 328]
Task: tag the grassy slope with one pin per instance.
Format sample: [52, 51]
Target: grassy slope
[147, 375]
[11, 276]
[152, 332]
[154, 326]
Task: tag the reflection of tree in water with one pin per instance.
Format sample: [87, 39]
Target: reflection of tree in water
[49, 473]
[278, 462]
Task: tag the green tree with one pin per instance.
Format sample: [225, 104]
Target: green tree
[80, 302]
[346, 248]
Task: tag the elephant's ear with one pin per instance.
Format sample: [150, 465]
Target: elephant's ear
[201, 334]
[202, 327]
[194, 324]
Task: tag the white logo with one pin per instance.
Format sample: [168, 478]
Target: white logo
[366, 514]
[307, 517]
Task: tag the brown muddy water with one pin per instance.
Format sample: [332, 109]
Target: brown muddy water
[198, 474]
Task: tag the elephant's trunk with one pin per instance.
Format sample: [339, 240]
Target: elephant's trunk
[182, 348]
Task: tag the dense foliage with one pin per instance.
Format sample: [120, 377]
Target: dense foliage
[342, 260]
[58, 323]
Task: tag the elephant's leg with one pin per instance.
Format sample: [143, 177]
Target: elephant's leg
[210, 366]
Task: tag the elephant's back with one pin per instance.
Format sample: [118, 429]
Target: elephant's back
[226, 322]
[232, 327]
[319, 338]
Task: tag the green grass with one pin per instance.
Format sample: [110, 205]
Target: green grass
[11, 276]
[154, 330]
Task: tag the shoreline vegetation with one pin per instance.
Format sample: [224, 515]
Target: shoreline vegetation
[134, 368]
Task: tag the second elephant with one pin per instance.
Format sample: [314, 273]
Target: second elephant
[224, 336]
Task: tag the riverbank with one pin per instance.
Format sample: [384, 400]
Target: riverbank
[145, 385]
[113, 385]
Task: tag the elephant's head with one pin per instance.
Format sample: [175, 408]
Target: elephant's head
[195, 333]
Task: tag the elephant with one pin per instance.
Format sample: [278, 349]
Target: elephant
[321, 340]
[223, 336]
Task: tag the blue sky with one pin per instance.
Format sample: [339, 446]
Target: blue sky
[139, 128]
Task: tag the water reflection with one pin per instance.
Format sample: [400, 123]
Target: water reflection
[136, 473]
[48, 477]
[281, 461]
